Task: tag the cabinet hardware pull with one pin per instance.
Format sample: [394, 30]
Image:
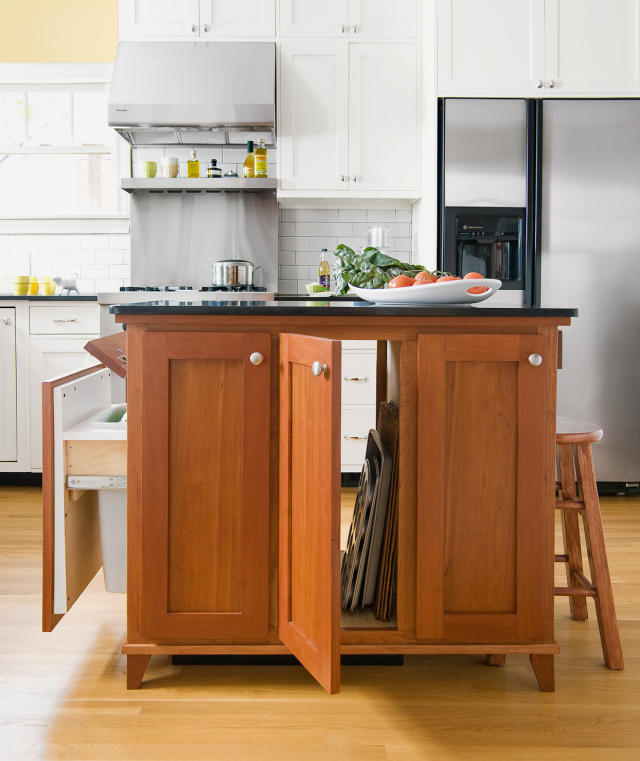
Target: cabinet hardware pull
[354, 29]
[535, 360]
[351, 437]
[317, 368]
[552, 83]
[539, 84]
[62, 321]
[342, 178]
[354, 379]
[194, 27]
[122, 358]
[256, 358]
[5, 321]
[354, 178]
[341, 28]
[205, 28]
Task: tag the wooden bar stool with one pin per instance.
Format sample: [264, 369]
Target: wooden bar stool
[575, 463]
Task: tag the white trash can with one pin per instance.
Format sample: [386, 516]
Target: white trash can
[112, 507]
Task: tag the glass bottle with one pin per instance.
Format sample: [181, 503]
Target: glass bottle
[213, 170]
[324, 272]
[248, 168]
[260, 154]
[193, 166]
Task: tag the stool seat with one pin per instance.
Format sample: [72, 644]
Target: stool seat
[571, 431]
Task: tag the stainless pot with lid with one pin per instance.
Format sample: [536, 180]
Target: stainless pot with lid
[232, 272]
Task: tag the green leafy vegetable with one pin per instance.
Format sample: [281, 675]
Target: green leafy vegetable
[370, 269]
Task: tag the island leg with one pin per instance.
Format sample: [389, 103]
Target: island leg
[543, 669]
[136, 665]
[496, 659]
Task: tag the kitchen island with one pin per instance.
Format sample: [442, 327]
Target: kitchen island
[234, 480]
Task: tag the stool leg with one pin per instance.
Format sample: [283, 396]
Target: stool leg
[571, 531]
[597, 554]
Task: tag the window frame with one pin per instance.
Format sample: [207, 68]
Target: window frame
[67, 78]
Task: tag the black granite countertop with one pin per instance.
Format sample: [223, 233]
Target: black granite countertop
[324, 308]
[82, 297]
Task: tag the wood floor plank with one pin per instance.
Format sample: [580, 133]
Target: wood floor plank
[63, 696]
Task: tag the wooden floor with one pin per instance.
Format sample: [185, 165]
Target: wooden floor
[62, 695]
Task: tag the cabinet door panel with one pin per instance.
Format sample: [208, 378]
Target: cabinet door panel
[313, 116]
[491, 48]
[382, 19]
[50, 358]
[237, 18]
[485, 525]
[159, 18]
[314, 18]
[593, 47]
[8, 398]
[205, 494]
[382, 117]
[309, 533]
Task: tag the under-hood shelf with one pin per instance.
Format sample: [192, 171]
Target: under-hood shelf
[197, 185]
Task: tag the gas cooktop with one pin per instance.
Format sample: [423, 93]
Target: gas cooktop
[204, 289]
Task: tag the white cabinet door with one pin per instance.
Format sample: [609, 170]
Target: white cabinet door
[494, 47]
[49, 358]
[592, 47]
[313, 118]
[8, 399]
[383, 19]
[313, 18]
[159, 18]
[237, 18]
[382, 117]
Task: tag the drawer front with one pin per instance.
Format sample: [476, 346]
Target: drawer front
[358, 378]
[359, 346]
[356, 423]
[64, 319]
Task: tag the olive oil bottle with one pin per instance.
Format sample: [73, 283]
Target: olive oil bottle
[193, 166]
[324, 272]
[248, 168]
[260, 154]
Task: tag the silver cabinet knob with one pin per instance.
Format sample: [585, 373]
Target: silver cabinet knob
[205, 28]
[342, 28]
[194, 28]
[539, 84]
[342, 178]
[535, 360]
[552, 83]
[317, 368]
[354, 178]
[354, 28]
[256, 358]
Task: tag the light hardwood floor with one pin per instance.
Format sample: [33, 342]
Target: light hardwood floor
[62, 695]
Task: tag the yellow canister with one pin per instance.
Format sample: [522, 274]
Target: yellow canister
[47, 286]
[20, 284]
[33, 286]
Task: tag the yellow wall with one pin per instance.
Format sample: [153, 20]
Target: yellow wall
[58, 31]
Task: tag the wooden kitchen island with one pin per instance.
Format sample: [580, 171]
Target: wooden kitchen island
[234, 480]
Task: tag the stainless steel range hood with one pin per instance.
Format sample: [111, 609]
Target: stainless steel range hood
[193, 93]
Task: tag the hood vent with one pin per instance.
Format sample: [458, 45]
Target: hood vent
[193, 93]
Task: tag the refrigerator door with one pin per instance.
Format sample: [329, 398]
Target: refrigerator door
[591, 260]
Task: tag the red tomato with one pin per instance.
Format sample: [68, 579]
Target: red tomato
[447, 278]
[475, 276]
[401, 281]
[425, 277]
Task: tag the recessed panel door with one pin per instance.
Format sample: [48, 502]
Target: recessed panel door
[159, 18]
[309, 521]
[198, 429]
[8, 399]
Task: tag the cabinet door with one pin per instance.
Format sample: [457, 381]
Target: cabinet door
[314, 108]
[309, 532]
[382, 19]
[198, 430]
[237, 18]
[159, 18]
[382, 117]
[592, 47]
[495, 47]
[485, 524]
[49, 358]
[8, 398]
[313, 18]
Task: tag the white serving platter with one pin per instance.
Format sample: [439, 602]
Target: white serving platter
[451, 292]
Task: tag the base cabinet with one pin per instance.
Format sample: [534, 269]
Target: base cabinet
[8, 396]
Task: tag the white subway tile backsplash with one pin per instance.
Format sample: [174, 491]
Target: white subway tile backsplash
[308, 228]
[352, 215]
[323, 215]
[338, 228]
[379, 216]
[288, 286]
[403, 215]
[327, 241]
[295, 215]
[119, 241]
[293, 244]
[119, 270]
[291, 272]
[287, 257]
[286, 228]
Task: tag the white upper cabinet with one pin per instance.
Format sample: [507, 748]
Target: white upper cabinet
[354, 19]
[313, 115]
[529, 48]
[592, 47]
[382, 117]
[313, 18]
[237, 18]
[202, 19]
[493, 47]
[159, 18]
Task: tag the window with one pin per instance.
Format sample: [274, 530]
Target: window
[58, 157]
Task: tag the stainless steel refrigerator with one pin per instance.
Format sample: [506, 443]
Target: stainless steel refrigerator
[590, 259]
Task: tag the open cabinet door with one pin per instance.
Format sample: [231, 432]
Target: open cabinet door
[309, 521]
[71, 551]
